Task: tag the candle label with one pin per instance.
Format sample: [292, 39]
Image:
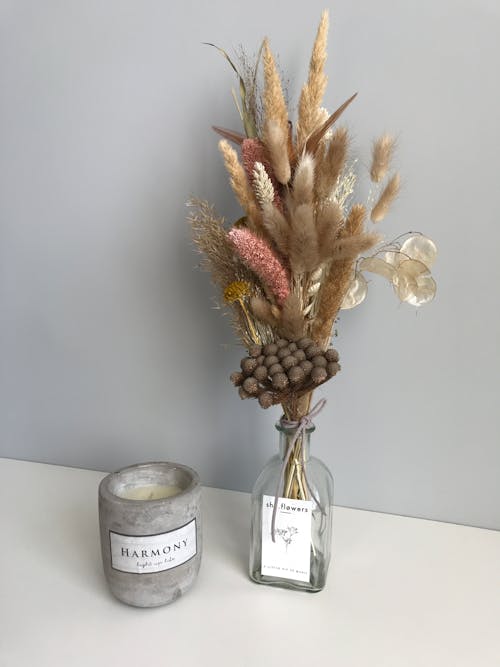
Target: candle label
[143, 554]
[289, 557]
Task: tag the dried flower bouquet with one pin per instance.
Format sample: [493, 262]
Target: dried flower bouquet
[298, 253]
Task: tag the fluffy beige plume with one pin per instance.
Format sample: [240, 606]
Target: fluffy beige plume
[303, 243]
[332, 163]
[337, 280]
[389, 194]
[351, 246]
[355, 220]
[292, 323]
[329, 219]
[303, 181]
[241, 187]
[262, 184]
[263, 310]
[276, 141]
[277, 227]
[272, 96]
[313, 90]
[383, 150]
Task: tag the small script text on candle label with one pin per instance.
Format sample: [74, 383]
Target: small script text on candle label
[289, 556]
[142, 554]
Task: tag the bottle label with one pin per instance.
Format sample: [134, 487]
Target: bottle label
[289, 557]
[143, 554]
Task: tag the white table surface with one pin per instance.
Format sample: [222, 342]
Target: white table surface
[401, 592]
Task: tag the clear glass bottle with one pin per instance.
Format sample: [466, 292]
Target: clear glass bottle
[299, 556]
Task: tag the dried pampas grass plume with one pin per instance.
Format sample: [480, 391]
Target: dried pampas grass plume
[277, 227]
[383, 150]
[314, 89]
[351, 246]
[239, 183]
[303, 243]
[332, 163]
[264, 311]
[292, 324]
[273, 98]
[276, 141]
[389, 194]
[303, 182]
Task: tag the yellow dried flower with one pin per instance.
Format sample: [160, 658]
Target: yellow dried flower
[236, 291]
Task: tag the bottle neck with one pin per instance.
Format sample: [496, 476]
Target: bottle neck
[302, 444]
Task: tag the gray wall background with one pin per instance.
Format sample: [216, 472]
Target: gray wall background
[110, 350]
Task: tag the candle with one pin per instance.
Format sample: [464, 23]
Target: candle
[150, 492]
[150, 526]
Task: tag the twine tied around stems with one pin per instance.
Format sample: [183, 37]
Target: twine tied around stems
[301, 426]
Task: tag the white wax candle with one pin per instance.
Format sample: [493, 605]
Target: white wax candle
[150, 492]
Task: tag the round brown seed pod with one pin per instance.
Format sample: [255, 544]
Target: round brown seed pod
[319, 360]
[300, 355]
[260, 360]
[332, 368]
[275, 368]
[265, 400]
[271, 348]
[312, 351]
[306, 366]
[304, 343]
[260, 373]
[318, 375]
[255, 350]
[243, 393]
[283, 352]
[271, 360]
[296, 375]
[281, 342]
[280, 381]
[236, 378]
[288, 362]
[292, 347]
[248, 365]
[251, 385]
[332, 355]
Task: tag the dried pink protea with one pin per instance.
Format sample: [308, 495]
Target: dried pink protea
[259, 257]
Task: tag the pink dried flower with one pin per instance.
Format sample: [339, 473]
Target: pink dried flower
[259, 257]
[252, 151]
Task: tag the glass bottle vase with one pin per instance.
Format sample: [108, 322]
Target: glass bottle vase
[299, 555]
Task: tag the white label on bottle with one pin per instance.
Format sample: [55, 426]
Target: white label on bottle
[289, 557]
[142, 554]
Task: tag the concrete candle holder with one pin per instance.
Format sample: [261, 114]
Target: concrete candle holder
[150, 525]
